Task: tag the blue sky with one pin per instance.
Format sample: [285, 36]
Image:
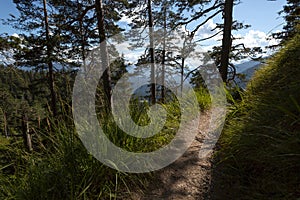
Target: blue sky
[7, 7]
[261, 14]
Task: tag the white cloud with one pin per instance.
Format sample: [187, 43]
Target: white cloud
[15, 35]
[206, 29]
[252, 38]
[255, 38]
[129, 54]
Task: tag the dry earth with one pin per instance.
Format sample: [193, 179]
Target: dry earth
[188, 177]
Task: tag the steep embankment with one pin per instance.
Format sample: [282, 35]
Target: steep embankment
[259, 155]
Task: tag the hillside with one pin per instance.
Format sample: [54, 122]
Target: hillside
[259, 151]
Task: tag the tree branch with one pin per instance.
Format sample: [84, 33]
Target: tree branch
[209, 37]
[200, 14]
[207, 19]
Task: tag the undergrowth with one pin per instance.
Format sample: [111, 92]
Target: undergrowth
[60, 167]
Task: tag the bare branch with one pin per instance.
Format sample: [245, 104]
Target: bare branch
[209, 37]
[200, 14]
[190, 72]
[207, 19]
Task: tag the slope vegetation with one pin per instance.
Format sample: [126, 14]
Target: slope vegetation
[259, 151]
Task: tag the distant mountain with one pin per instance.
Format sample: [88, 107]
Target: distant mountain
[245, 71]
[246, 65]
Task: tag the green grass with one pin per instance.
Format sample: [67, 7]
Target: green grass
[61, 168]
[259, 150]
[203, 98]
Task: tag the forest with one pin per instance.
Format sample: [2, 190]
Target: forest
[94, 95]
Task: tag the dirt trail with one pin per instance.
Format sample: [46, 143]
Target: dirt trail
[187, 178]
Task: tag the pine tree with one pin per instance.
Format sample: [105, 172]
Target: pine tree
[291, 13]
[141, 19]
[39, 41]
[87, 24]
[161, 16]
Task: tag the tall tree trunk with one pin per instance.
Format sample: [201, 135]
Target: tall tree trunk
[226, 41]
[181, 74]
[82, 38]
[49, 62]
[183, 56]
[26, 134]
[164, 56]
[104, 53]
[151, 50]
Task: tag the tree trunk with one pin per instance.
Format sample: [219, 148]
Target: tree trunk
[82, 38]
[182, 73]
[183, 56]
[49, 62]
[164, 56]
[26, 134]
[151, 51]
[226, 41]
[104, 53]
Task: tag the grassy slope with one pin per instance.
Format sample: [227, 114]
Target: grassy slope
[259, 156]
